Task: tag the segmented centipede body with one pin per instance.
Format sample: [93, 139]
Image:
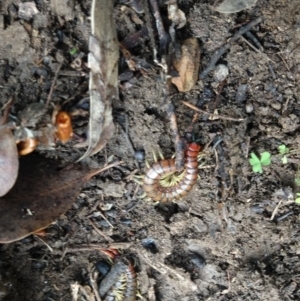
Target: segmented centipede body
[131, 288]
[152, 185]
[125, 283]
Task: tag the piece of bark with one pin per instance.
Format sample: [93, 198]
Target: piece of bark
[103, 86]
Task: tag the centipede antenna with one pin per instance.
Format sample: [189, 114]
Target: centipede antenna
[140, 182]
[154, 156]
[142, 196]
[161, 155]
[147, 164]
[139, 176]
[138, 294]
[201, 164]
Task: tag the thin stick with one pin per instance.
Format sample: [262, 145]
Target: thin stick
[213, 115]
[178, 141]
[106, 167]
[47, 245]
[104, 217]
[53, 84]
[93, 277]
[100, 232]
[216, 56]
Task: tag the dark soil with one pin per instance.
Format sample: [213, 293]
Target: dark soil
[219, 243]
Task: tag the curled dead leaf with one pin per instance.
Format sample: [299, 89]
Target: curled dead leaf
[187, 66]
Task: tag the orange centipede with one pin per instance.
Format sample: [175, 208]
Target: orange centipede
[153, 187]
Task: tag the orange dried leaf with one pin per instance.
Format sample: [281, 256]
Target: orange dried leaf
[187, 66]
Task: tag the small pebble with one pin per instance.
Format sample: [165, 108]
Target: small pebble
[140, 155]
[241, 93]
[276, 105]
[27, 10]
[249, 108]
[149, 243]
[220, 73]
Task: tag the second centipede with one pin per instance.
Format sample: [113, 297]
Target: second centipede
[153, 182]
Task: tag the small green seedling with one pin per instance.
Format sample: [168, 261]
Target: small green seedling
[283, 150]
[257, 164]
[73, 51]
[297, 200]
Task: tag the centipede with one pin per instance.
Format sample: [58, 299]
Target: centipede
[125, 288]
[160, 183]
[120, 284]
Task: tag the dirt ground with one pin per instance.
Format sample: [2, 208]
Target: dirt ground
[219, 242]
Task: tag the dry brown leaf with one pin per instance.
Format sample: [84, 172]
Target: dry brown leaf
[41, 194]
[187, 66]
[103, 86]
[176, 15]
[9, 160]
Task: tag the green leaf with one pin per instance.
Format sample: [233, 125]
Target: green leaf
[257, 168]
[265, 158]
[254, 160]
[284, 160]
[283, 149]
[297, 201]
[73, 51]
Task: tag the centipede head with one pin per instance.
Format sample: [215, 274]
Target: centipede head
[111, 253]
[195, 147]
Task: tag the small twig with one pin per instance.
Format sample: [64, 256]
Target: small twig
[178, 141]
[100, 232]
[41, 240]
[163, 36]
[217, 161]
[254, 40]
[217, 55]
[257, 50]
[94, 285]
[106, 167]
[275, 210]
[213, 115]
[6, 109]
[278, 206]
[104, 217]
[53, 84]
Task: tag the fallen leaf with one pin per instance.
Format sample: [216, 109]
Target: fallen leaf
[234, 6]
[103, 64]
[187, 66]
[9, 160]
[41, 194]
